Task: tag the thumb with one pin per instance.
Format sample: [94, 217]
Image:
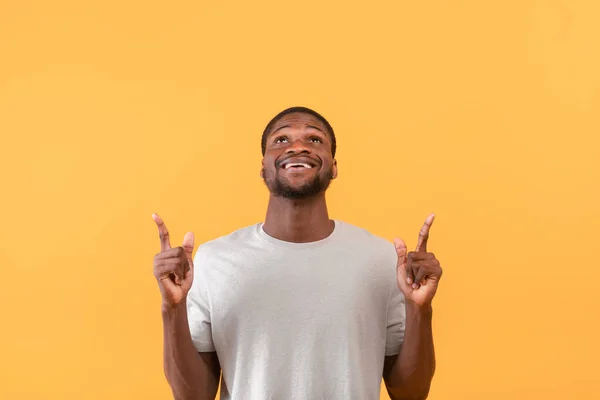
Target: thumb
[188, 246]
[401, 266]
[401, 250]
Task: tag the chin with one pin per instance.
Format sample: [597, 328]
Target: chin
[291, 195]
[301, 188]
[305, 191]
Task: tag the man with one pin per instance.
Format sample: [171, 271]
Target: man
[300, 306]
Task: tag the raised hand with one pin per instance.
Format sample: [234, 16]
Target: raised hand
[418, 272]
[173, 267]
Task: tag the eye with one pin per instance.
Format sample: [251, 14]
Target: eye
[280, 139]
[316, 139]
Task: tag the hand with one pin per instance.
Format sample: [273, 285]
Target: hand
[173, 268]
[418, 272]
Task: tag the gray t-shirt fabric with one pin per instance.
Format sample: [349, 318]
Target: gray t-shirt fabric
[297, 321]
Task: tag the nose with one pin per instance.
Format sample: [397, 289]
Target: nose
[297, 146]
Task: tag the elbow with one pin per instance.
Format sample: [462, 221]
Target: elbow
[410, 397]
[404, 393]
[181, 390]
[188, 395]
[410, 387]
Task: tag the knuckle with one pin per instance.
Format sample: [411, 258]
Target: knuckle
[169, 266]
[158, 271]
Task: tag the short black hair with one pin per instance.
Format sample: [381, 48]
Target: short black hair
[297, 109]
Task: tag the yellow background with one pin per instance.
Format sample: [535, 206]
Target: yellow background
[485, 112]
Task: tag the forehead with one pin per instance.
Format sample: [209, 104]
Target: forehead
[299, 121]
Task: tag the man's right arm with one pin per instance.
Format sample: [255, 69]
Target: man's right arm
[191, 375]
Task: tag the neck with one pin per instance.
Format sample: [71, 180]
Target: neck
[298, 220]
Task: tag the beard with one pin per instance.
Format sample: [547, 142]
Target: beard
[278, 185]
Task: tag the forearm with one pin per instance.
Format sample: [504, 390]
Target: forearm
[411, 374]
[188, 375]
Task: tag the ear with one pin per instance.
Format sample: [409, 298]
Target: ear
[262, 168]
[334, 170]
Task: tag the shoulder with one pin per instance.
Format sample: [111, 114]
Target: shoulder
[227, 243]
[362, 234]
[364, 239]
[375, 254]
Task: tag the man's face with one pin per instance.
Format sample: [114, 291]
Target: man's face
[298, 162]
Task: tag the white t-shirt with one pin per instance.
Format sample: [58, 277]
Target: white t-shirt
[305, 321]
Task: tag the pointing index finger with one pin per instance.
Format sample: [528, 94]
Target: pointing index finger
[163, 233]
[424, 233]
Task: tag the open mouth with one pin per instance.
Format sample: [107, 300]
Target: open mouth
[297, 166]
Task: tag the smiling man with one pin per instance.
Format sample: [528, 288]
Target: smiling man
[300, 306]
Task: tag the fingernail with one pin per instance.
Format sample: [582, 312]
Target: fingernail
[409, 280]
[415, 286]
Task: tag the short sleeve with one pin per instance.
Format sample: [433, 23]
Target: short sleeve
[396, 322]
[198, 306]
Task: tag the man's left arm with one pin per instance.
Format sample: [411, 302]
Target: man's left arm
[408, 374]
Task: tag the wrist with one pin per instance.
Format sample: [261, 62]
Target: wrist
[414, 308]
[170, 309]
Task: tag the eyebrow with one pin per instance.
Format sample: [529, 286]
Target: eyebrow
[308, 126]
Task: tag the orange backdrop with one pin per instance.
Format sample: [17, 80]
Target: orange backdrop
[486, 113]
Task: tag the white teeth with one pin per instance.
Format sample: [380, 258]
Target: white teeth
[287, 166]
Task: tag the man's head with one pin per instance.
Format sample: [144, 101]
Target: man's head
[298, 147]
